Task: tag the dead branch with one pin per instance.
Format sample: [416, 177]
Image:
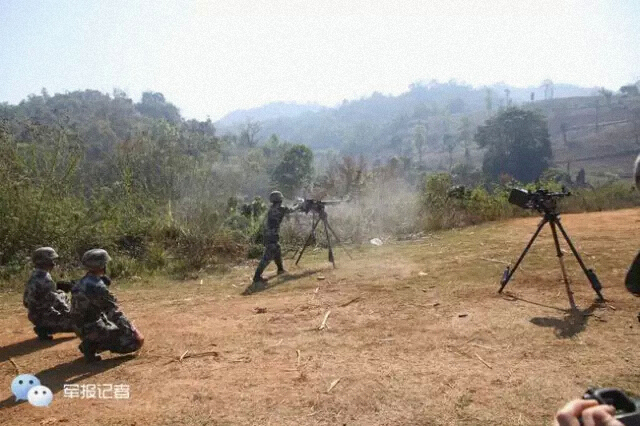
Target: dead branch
[15, 365]
[333, 384]
[324, 321]
[483, 361]
[201, 354]
[484, 347]
[355, 299]
[186, 355]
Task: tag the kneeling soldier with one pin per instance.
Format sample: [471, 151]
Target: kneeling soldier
[101, 325]
[48, 305]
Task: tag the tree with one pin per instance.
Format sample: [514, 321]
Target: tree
[488, 100]
[154, 105]
[517, 142]
[507, 92]
[449, 143]
[548, 89]
[420, 140]
[635, 119]
[607, 94]
[630, 90]
[249, 133]
[294, 171]
[564, 128]
[464, 136]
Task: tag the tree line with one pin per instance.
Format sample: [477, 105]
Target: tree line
[86, 169]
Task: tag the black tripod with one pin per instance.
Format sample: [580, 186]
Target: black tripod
[553, 219]
[319, 215]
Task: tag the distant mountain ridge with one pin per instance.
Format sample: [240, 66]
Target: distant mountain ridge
[381, 126]
[279, 109]
[270, 111]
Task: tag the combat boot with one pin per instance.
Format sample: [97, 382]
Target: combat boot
[257, 285]
[43, 333]
[89, 353]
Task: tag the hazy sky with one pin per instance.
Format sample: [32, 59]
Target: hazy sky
[211, 57]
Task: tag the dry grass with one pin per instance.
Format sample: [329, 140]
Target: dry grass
[417, 335]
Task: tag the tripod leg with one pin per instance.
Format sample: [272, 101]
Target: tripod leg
[313, 228]
[591, 276]
[508, 275]
[564, 272]
[338, 239]
[326, 231]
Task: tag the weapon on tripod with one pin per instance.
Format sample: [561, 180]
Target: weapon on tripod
[546, 202]
[317, 207]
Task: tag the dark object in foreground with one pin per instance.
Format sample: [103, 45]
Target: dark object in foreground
[65, 286]
[545, 202]
[317, 208]
[627, 409]
[632, 280]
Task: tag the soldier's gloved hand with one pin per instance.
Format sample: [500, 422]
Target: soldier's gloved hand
[106, 280]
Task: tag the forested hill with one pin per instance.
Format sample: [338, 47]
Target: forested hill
[385, 123]
[271, 111]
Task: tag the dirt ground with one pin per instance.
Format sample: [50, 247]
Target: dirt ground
[416, 334]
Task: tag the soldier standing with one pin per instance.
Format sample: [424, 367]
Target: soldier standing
[48, 305]
[100, 323]
[272, 250]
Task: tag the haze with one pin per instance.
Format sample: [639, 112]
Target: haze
[210, 58]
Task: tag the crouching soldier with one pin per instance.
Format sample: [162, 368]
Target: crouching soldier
[100, 324]
[48, 305]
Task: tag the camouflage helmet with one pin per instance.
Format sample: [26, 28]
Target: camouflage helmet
[44, 256]
[95, 259]
[276, 197]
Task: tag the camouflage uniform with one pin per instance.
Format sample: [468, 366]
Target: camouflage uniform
[272, 250]
[100, 323]
[49, 308]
